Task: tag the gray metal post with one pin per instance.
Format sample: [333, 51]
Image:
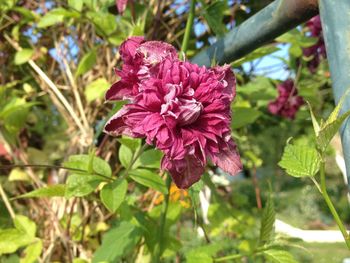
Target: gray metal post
[269, 23]
[335, 18]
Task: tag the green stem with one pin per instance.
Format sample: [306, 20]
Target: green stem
[160, 246]
[188, 29]
[331, 206]
[230, 257]
[134, 159]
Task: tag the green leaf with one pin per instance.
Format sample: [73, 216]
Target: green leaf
[334, 115]
[279, 256]
[300, 161]
[96, 89]
[328, 131]
[32, 252]
[117, 242]
[18, 175]
[76, 4]
[213, 14]
[23, 56]
[258, 53]
[267, 222]
[49, 191]
[81, 162]
[86, 63]
[126, 156]
[243, 116]
[198, 256]
[24, 224]
[50, 19]
[131, 143]
[105, 22]
[12, 239]
[259, 89]
[151, 158]
[149, 179]
[313, 119]
[113, 194]
[79, 185]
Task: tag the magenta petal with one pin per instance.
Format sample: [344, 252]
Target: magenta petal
[129, 47]
[228, 159]
[185, 172]
[116, 125]
[155, 51]
[119, 91]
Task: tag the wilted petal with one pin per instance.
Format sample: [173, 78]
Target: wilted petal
[156, 51]
[185, 172]
[228, 159]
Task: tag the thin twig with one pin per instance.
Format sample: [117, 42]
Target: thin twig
[7, 203]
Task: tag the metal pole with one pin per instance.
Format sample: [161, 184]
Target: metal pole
[335, 18]
[269, 23]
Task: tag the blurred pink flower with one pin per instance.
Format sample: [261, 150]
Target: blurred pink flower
[288, 102]
[317, 51]
[181, 108]
[121, 5]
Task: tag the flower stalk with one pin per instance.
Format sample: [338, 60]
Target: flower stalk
[331, 206]
[160, 246]
[188, 29]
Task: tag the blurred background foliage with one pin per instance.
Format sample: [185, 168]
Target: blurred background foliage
[57, 59]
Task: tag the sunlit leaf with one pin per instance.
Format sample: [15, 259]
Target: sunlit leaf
[113, 194]
[267, 222]
[23, 56]
[117, 242]
[149, 179]
[279, 256]
[86, 63]
[300, 161]
[49, 191]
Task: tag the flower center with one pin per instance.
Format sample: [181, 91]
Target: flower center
[181, 106]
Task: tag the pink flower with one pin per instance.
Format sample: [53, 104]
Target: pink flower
[317, 51]
[139, 59]
[121, 5]
[184, 110]
[288, 102]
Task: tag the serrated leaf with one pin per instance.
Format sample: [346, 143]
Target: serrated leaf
[23, 56]
[279, 256]
[117, 242]
[328, 131]
[49, 191]
[86, 63]
[149, 179]
[267, 222]
[32, 252]
[300, 161]
[113, 194]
